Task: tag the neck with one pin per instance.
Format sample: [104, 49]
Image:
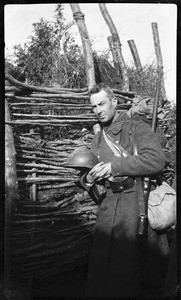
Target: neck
[112, 120]
[115, 116]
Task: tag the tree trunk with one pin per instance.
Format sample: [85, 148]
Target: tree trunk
[11, 194]
[159, 59]
[117, 46]
[89, 63]
[118, 77]
[135, 55]
[111, 46]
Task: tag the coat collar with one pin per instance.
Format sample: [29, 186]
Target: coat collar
[117, 125]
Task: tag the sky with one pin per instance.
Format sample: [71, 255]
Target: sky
[132, 21]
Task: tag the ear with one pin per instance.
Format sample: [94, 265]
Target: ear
[115, 101]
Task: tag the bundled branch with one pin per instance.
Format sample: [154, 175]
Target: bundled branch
[59, 234]
[18, 86]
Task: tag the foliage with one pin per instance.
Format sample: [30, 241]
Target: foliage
[51, 54]
[171, 131]
[13, 70]
[104, 71]
[143, 82]
[170, 150]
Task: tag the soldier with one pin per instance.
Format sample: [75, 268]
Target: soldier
[120, 265]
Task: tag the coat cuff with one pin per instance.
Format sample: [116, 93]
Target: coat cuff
[116, 168]
[83, 183]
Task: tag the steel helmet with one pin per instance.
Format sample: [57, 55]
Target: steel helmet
[82, 158]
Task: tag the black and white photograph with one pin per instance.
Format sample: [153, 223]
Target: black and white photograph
[90, 109]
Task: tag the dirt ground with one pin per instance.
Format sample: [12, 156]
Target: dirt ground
[72, 284]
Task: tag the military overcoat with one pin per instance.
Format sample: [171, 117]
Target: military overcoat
[115, 265]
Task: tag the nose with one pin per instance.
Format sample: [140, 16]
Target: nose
[98, 110]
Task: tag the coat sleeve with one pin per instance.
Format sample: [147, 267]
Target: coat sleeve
[94, 149]
[150, 158]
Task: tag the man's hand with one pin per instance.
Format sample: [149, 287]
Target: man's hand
[98, 172]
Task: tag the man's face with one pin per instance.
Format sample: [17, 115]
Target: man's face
[102, 107]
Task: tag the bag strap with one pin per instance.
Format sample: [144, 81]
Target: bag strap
[117, 149]
[143, 219]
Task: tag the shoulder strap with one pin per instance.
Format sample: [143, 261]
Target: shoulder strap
[117, 149]
[142, 223]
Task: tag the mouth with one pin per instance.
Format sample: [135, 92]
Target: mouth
[102, 117]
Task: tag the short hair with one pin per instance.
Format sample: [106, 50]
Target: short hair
[102, 87]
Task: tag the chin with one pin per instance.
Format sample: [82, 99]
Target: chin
[103, 121]
[107, 120]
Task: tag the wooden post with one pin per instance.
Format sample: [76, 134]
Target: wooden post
[117, 46]
[116, 65]
[135, 55]
[11, 194]
[89, 63]
[111, 46]
[33, 194]
[11, 182]
[159, 59]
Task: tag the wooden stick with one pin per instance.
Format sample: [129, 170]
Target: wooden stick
[33, 165]
[117, 45]
[9, 95]
[11, 194]
[12, 89]
[63, 123]
[61, 96]
[44, 151]
[56, 105]
[111, 46]
[39, 89]
[34, 187]
[11, 183]
[159, 58]
[48, 162]
[88, 57]
[39, 97]
[135, 54]
[123, 98]
[58, 172]
[50, 178]
[83, 116]
[57, 186]
[53, 159]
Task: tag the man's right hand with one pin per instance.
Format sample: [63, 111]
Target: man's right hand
[92, 175]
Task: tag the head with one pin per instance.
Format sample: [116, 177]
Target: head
[103, 102]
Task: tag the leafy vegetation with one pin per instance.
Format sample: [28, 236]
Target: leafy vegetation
[51, 55]
[143, 81]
